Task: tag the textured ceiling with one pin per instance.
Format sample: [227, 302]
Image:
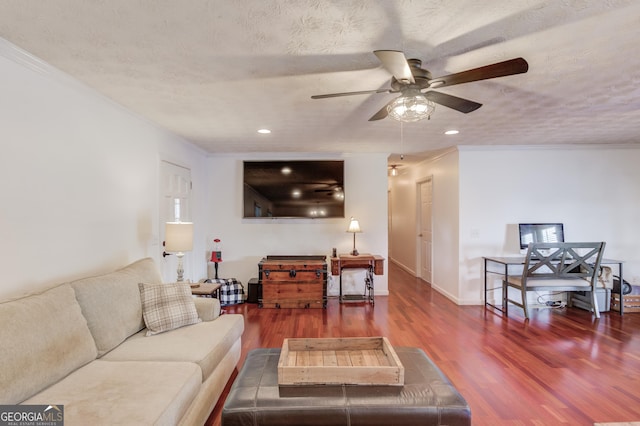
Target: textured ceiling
[217, 71]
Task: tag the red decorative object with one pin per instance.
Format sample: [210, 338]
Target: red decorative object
[216, 255]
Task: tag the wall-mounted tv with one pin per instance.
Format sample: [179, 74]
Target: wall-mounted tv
[293, 189]
[540, 233]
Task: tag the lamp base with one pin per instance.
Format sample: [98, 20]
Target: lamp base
[354, 252]
[180, 270]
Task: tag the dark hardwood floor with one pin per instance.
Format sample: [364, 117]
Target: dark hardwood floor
[561, 367]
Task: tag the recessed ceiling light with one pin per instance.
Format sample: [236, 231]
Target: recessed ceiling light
[264, 131]
[451, 132]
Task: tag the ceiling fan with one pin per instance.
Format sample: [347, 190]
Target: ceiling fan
[394, 169]
[411, 81]
[331, 190]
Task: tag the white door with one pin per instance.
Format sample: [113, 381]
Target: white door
[425, 232]
[175, 205]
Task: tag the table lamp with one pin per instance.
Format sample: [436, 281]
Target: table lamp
[354, 226]
[178, 239]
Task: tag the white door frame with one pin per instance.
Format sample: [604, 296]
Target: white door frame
[389, 224]
[420, 238]
[175, 182]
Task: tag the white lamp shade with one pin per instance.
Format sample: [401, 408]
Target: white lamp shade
[178, 236]
[354, 226]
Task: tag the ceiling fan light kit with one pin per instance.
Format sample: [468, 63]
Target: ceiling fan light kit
[411, 106]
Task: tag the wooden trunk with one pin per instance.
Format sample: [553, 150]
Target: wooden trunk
[293, 282]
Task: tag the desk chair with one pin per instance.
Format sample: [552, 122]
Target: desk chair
[557, 267]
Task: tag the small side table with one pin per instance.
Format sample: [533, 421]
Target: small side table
[206, 290]
[255, 291]
[372, 263]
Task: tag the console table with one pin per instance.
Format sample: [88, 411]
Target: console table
[373, 264]
[512, 265]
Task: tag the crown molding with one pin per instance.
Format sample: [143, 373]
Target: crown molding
[21, 57]
[555, 147]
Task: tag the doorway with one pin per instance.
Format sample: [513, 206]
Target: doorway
[424, 250]
[175, 205]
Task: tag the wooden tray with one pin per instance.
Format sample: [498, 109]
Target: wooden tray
[351, 361]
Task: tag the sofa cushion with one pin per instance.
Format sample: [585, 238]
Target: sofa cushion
[205, 343]
[125, 393]
[166, 307]
[44, 337]
[111, 302]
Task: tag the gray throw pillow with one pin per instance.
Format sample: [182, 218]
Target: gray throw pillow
[167, 306]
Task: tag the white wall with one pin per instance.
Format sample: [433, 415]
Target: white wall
[246, 241]
[593, 191]
[482, 193]
[403, 219]
[79, 182]
[80, 191]
[445, 172]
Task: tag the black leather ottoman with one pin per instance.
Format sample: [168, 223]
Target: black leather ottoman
[427, 397]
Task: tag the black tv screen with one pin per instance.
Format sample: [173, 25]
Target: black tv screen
[540, 233]
[293, 189]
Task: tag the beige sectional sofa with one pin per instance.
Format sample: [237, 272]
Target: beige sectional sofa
[83, 345]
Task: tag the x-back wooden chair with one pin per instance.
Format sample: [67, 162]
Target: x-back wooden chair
[557, 267]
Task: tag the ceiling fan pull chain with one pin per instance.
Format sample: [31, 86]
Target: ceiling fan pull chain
[401, 140]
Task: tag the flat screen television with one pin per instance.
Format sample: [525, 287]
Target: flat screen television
[540, 233]
[293, 189]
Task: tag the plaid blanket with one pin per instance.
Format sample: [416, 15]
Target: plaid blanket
[231, 292]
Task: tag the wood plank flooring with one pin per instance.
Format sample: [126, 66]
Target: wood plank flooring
[563, 367]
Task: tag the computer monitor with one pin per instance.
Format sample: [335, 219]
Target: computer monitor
[540, 233]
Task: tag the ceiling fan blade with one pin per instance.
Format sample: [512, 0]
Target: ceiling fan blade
[363, 92]
[383, 113]
[500, 69]
[396, 63]
[453, 102]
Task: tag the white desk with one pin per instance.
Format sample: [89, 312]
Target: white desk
[509, 266]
